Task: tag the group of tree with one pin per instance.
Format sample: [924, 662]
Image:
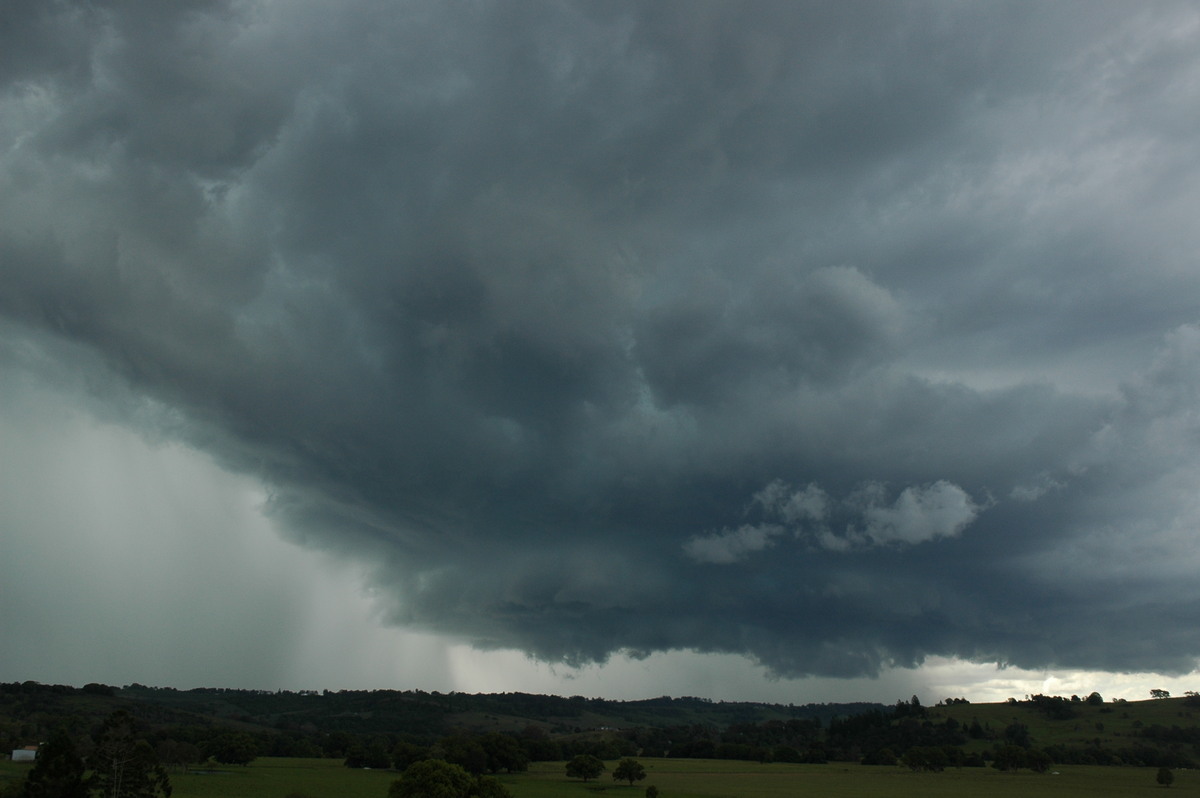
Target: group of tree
[120, 763]
[124, 764]
[436, 778]
[491, 752]
[588, 767]
[429, 715]
[905, 734]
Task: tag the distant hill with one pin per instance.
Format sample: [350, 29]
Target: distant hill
[414, 713]
[420, 713]
[1041, 729]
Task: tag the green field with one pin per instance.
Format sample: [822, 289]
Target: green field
[689, 778]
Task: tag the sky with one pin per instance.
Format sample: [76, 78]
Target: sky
[773, 351]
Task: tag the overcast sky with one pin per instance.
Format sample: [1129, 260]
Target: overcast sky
[774, 350]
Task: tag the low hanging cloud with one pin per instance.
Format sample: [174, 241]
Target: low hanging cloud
[920, 514]
[538, 312]
[809, 504]
[859, 520]
[730, 546]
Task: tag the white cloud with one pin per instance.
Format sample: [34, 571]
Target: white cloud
[989, 682]
[811, 503]
[921, 514]
[732, 545]
[1035, 489]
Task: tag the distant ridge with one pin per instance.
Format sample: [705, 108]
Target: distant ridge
[1162, 732]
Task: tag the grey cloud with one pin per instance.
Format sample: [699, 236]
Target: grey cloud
[542, 311]
[828, 323]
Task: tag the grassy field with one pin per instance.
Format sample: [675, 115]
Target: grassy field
[270, 778]
[688, 778]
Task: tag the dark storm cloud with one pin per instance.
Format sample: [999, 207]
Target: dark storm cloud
[812, 332]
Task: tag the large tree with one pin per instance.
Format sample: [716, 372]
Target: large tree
[630, 770]
[124, 766]
[58, 771]
[432, 778]
[585, 766]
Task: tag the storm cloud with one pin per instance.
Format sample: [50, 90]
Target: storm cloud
[840, 336]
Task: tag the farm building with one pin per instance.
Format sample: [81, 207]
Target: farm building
[26, 754]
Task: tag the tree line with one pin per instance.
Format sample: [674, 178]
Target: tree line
[905, 734]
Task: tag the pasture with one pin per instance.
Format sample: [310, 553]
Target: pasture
[687, 778]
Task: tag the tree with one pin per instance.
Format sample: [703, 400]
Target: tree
[1008, 757]
[1165, 777]
[58, 771]
[489, 787]
[406, 753]
[177, 754]
[1038, 761]
[585, 766]
[503, 753]
[368, 755]
[629, 770]
[234, 748]
[651, 792]
[336, 744]
[1159, 693]
[1095, 699]
[432, 778]
[1017, 734]
[124, 766]
[928, 757]
[463, 751]
[538, 746]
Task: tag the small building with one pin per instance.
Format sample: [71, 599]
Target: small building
[26, 754]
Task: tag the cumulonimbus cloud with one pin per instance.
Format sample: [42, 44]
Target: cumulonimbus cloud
[645, 289]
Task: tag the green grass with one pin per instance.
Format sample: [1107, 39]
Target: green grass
[689, 778]
[271, 777]
[266, 778]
